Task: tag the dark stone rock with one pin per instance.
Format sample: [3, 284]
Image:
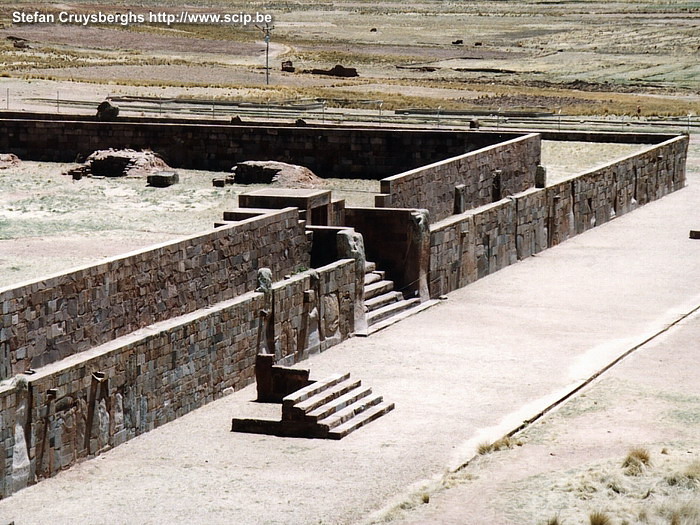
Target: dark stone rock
[107, 112]
[337, 71]
[163, 179]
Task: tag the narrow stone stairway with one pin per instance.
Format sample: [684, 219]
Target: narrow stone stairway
[328, 409]
[381, 300]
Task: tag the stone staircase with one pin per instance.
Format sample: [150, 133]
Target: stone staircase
[382, 302]
[329, 409]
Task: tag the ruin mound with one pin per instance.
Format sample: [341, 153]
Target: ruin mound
[121, 163]
[276, 173]
[7, 160]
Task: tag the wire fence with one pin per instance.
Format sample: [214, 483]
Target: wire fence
[341, 111]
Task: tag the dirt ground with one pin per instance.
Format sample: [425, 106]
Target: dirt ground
[572, 463]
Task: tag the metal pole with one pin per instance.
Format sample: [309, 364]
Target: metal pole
[58, 102]
[267, 58]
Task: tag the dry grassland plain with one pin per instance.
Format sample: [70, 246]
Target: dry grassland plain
[580, 57]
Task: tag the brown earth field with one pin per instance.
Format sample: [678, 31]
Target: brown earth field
[586, 57]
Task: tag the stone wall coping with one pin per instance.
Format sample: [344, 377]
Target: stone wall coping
[524, 136]
[629, 156]
[278, 285]
[133, 337]
[43, 282]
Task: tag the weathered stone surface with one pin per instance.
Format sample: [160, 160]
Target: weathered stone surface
[163, 179]
[277, 174]
[107, 112]
[8, 160]
[121, 163]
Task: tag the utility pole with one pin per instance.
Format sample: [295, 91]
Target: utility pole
[266, 31]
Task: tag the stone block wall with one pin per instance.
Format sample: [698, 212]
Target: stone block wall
[339, 152]
[487, 175]
[398, 241]
[96, 400]
[314, 310]
[470, 245]
[531, 228]
[48, 320]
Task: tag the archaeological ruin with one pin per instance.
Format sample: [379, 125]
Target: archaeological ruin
[96, 356]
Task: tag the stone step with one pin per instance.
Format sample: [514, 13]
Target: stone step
[338, 403]
[378, 288]
[391, 309]
[300, 409]
[349, 412]
[383, 300]
[373, 277]
[360, 420]
[313, 389]
[370, 266]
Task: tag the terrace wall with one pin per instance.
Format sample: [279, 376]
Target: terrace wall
[487, 175]
[91, 402]
[48, 320]
[338, 152]
[468, 246]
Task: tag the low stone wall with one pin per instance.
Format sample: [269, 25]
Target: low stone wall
[470, 245]
[48, 320]
[90, 402]
[340, 152]
[487, 175]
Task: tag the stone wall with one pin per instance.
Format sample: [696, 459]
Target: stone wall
[338, 152]
[91, 402]
[468, 246]
[398, 241]
[483, 176]
[48, 320]
[314, 310]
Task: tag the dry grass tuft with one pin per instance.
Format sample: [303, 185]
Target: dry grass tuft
[501, 444]
[687, 513]
[689, 478]
[599, 518]
[636, 461]
[554, 521]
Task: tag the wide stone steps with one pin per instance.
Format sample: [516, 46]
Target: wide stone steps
[298, 410]
[382, 300]
[313, 389]
[360, 420]
[390, 310]
[328, 409]
[383, 305]
[339, 404]
[350, 411]
[373, 277]
[378, 288]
